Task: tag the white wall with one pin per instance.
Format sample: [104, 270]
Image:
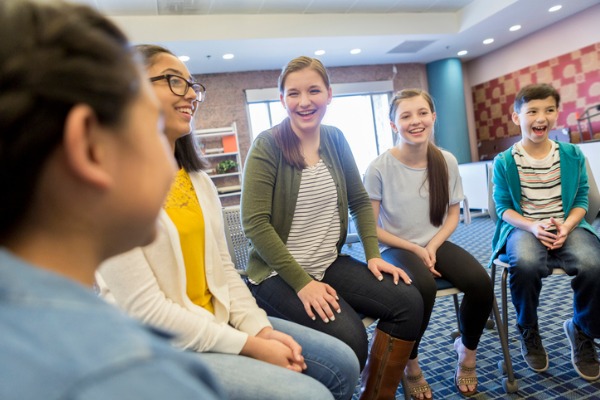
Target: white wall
[575, 32]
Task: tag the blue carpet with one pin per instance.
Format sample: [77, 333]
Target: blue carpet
[438, 359]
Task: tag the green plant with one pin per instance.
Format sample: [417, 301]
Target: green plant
[226, 166]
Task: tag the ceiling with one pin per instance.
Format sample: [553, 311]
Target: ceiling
[265, 34]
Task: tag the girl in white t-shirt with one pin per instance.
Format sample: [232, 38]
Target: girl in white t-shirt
[415, 189]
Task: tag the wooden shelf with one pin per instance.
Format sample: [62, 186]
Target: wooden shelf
[221, 195]
[214, 155]
[224, 175]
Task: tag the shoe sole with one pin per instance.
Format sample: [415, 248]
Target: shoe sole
[535, 369]
[530, 366]
[586, 377]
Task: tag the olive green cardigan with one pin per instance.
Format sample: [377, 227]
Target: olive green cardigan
[269, 195]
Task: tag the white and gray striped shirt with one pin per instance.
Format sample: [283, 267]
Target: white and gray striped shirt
[315, 227]
[540, 184]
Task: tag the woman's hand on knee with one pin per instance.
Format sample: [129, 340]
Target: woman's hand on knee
[321, 298]
[377, 266]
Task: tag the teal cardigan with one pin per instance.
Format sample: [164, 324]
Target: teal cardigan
[507, 189]
[269, 195]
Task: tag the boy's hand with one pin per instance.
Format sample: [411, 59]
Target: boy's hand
[562, 232]
[552, 235]
[545, 232]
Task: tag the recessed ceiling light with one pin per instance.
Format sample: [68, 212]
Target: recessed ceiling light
[514, 28]
[228, 56]
[319, 52]
[488, 41]
[462, 53]
[184, 58]
[355, 51]
[555, 8]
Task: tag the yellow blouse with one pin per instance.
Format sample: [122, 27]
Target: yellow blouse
[184, 209]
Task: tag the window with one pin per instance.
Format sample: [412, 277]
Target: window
[363, 118]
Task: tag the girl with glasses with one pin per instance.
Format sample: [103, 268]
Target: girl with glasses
[185, 282]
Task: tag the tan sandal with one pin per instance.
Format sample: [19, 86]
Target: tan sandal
[465, 380]
[414, 388]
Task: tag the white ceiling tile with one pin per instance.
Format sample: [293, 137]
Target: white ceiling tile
[236, 6]
[264, 34]
[285, 6]
[127, 7]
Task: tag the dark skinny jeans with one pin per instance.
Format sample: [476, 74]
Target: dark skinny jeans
[399, 308]
[464, 272]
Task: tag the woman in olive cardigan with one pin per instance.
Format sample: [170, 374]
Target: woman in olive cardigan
[300, 182]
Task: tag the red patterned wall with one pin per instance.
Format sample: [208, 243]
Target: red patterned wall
[576, 76]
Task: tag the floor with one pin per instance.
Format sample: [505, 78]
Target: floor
[438, 359]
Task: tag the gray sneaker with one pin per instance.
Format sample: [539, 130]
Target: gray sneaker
[532, 349]
[583, 352]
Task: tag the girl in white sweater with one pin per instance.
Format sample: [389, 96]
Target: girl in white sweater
[185, 282]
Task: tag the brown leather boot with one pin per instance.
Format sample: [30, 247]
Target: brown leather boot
[381, 376]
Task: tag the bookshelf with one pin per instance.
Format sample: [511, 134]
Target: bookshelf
[220, 146]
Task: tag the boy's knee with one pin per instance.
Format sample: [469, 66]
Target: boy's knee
[527, 265]
[590, 268]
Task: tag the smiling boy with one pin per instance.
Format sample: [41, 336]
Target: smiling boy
[541, 195]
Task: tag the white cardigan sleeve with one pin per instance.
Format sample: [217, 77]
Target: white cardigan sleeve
[149, 284]
[224, 281]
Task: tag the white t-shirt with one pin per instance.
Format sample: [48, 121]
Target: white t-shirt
[404, 195]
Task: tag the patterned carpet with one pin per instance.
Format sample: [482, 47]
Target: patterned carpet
[438, 358]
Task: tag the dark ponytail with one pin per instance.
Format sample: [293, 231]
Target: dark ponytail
[437, 175]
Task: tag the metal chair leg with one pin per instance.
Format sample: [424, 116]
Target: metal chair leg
[509, 383]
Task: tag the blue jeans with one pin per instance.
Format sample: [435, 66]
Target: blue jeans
[530, 261]
[464, 272]
[399, 308]
[328, 361]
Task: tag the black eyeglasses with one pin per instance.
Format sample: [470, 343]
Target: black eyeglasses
[180, 86]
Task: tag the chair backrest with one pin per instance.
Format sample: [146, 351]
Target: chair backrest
[466, 211]
[237, 242]
[593, 195]
[490, 188]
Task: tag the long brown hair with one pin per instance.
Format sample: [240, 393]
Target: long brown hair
[285, 137]
[437, 169]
